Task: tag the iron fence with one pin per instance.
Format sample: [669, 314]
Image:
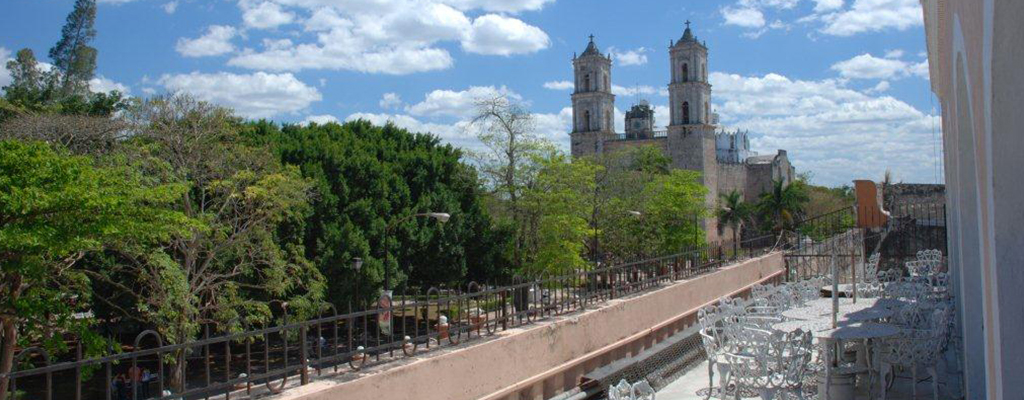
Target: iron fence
[910, 227]
[267, 359]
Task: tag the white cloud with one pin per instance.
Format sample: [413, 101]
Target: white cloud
[461, 133]
[920, 69]
[746, 17]
[493, 34]
[812, 119]
[216, 41]
[866, 66]
[5, 75]
[170, 7]
[827, 5]
[894, 53]
[633, 90]
[559, 85]
[101, 84]
[390, 100]
[257, 95]
[457, 103]
[880, 87]
[628, 57]
[457, 133]
[393, 36]
[319, 119]
[510, 6]
[873, 16]
[265, 15]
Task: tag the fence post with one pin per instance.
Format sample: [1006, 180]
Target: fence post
[304, 375]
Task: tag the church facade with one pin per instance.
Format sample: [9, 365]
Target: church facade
[692, 139]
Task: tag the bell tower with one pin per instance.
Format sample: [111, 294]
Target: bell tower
[691, 134]
[689, 91]
[593, 104]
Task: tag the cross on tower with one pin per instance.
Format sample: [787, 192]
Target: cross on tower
[591, 37]
[687, 24]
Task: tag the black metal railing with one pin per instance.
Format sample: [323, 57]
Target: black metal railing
[910, 227]
[269, 359]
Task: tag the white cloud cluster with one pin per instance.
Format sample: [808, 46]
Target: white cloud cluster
[559, 85]
[636, 90]
[264, 15]
[812, 119]
[5, 75]
[873, 16]
[387, 36]
[866, 66]
[626, 58]
[101, 84]
[461, 104]
[390, 100]
[257, 95]
[832, 16]
[170, 7]
[461, 133]
[319, 119]
[216, 41]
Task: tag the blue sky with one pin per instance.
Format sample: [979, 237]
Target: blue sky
[841, 84]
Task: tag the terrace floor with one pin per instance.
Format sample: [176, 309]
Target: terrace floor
[693, 386]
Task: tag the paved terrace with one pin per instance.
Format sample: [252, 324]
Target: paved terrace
[549, 358]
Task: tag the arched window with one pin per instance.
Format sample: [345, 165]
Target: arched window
[686, 73]
[707, 115]
[586, 121]
[704, 70]
[586, 83]
[686, 112]
[607, 83]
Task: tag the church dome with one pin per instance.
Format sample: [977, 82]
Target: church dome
[688, 36]
[591, 48]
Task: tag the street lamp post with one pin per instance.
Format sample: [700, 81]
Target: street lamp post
[440, 217]
[357, 264]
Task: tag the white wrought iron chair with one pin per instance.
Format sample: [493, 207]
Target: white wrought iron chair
[777, 364]
[916, 347]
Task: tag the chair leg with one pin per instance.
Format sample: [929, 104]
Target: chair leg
[884, 370]
[935, 382]
[913, 382]
[711, 377]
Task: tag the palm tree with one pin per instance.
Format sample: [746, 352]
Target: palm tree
[784, 204]
[732, 212]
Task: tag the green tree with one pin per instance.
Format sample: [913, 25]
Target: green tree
[72, 56]
[508, 166]
[245, 249]
[732, 212]
[54, 209]
[676, 203]
[559, 204]
[28, 83]
[783, 205]
[367, 177]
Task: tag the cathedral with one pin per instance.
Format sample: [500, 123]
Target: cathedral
[692, 139]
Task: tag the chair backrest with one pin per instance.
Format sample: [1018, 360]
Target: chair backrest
[779, 360]
[622, 391]
[871, 268]
[643, 391]
[922, 268]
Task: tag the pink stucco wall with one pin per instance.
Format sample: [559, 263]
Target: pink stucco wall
[541, 360]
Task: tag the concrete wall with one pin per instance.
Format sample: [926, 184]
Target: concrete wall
[545, 359]
[975, 58]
